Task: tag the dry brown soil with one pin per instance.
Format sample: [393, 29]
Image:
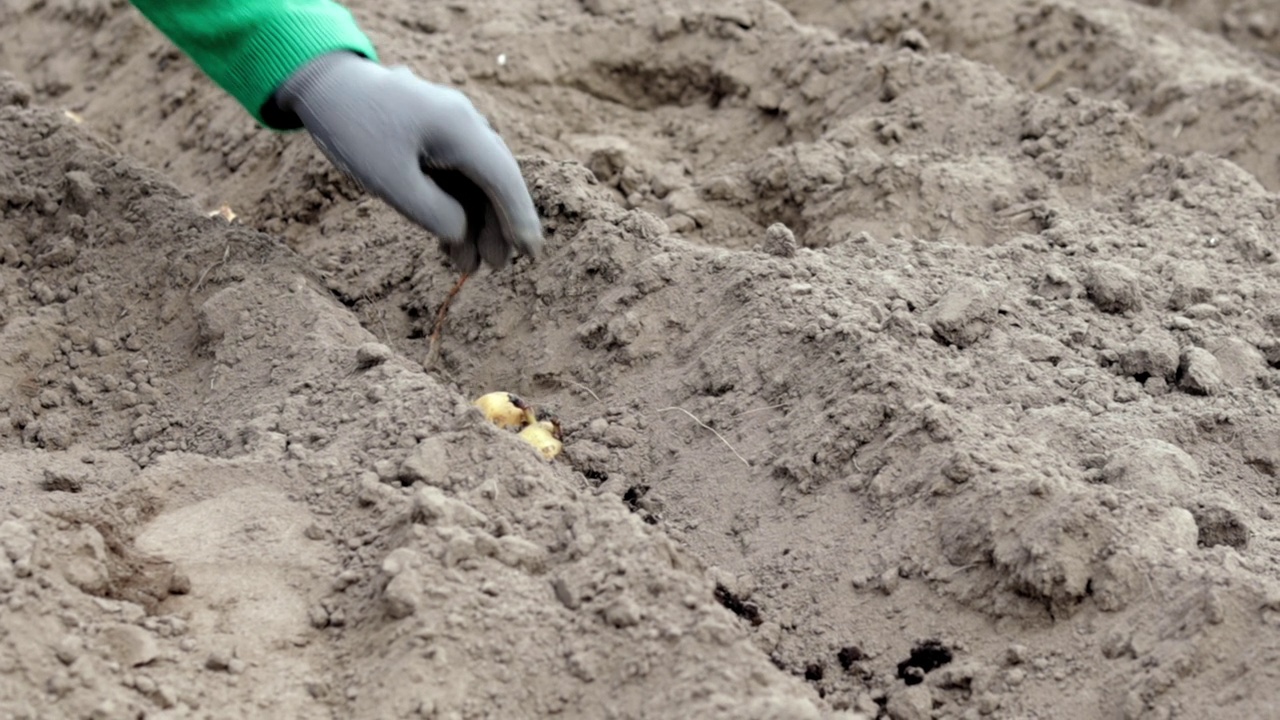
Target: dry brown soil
[916, 359]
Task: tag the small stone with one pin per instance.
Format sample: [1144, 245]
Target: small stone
[1154, 353]
[372, 354]
[62, 481]
[82, 389]
[82, 191]
[964, 315]
[960, 468]
[399, 560]
[385, 469]
[1200, 372]
[318, 616]
[1203, 311]
[320, 690]
[1041, 348]
[17, 540]
[218, 660]
[49, 398]
[403, 595]
[1191, 285]
[913, 702]
[1017, 654]
[889, 581]
[166, 696]
[956, 676]
[1156, 386]
[668, 178]
[668, 25]
[1270, 349]
[913, 39]
[144, 685]
[623, 612]
[564, 594]
[1057, 283]
[131, 612]
[87, 573]
[59, 685]
[179, 583]
[346, 579]
[517, 552]
[779, 241]
[130, 645]
[69, 649]
[430, 505]
[102, 347]
[769, 635]
[1113, 288]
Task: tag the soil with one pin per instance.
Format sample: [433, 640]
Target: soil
[914, 359]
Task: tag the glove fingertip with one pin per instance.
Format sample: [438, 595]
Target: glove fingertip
[529, 243]
[464, 256]
[495, 251]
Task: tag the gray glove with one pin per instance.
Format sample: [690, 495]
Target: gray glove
[422, 148]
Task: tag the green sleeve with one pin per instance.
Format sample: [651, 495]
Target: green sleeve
[249, 47]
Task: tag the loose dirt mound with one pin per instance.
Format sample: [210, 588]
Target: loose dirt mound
[914, 360]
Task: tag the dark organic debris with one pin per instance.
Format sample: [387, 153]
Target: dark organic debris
[849, 655]
[744, 609]
[925, 657]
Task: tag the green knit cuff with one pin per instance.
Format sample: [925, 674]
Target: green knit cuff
[276, 49]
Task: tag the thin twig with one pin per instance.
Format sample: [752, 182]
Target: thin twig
[382, 321]
[761, 409]
[1055, 73]
[584, 387]
[433, 349]
[713, 432]
[226, 253]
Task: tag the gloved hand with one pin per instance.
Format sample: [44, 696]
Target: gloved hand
[422, 148]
